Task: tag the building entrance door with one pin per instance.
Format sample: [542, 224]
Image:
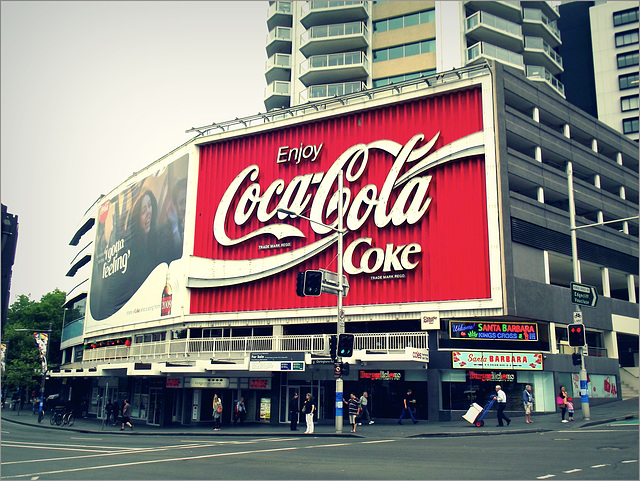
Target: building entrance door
[154, 415]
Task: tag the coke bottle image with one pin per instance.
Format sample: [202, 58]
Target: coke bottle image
[165, 305]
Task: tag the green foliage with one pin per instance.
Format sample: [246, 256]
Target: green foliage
[24, 368]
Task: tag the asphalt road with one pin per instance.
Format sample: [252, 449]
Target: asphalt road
[608, 451]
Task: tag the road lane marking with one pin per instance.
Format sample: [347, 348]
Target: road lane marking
[87, 439]
[153, 461]
[572, 471]
[380, 441]
[630, 461]
[600, 465]
[546, 476]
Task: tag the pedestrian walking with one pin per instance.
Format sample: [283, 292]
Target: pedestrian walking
[562, 402]
[294, 408]
[527, 399]
[240, 411]
[126, 414]
[308, 408]
[501, 399]
[364, 409]
[354, 409]
[407, 400]
[116, 412]
[217, 412]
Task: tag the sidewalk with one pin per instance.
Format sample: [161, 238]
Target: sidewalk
[383, 428]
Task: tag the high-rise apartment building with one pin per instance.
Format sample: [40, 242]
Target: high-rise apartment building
[602, 78]
[319, 49]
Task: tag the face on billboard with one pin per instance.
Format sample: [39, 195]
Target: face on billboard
[415, 208]
[138, 230]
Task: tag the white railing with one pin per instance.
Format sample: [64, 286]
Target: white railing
[242, 346]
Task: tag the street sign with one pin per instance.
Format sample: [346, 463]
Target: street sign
[584, 295]
[577, 317]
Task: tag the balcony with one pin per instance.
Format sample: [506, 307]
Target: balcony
[280, 14]
[484, 50]
[483, 26]
[240, 347]
[277, 95]
[337, 67]
[507, 10]
[278, 67]
[327, 13]
[538, 52]
[537, 24]
[279, 41]
[342, 37]
[317, 92]
[540, 74]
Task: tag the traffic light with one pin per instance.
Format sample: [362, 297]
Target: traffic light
[300, 284]
[333, 347]
[577, 359]
[345, 369]
[312, 283]
[576, 335]
[345, 345]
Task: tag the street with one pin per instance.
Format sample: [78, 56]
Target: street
[607, 451]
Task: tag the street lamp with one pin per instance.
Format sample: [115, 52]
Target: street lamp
[340, 319]
[44, 372]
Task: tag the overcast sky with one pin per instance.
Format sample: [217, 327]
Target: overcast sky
[94, 91]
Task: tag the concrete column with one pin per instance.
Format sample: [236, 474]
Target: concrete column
[596, 181]
[606, 286]
[547, 275]
[622, 192]
[619, 158]
[538, 153]
[631, 287]
[610, 339]
[625, 227]
[566, 131]
[594, 145]
[600, 216]
[536, 114]
[541, 195]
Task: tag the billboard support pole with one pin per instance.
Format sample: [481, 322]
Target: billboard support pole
[340, 319]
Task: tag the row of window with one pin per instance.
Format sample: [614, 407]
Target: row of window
[629, 37]
[628, 81]
[628, 59]
[381, 82]
[625, 16]
[401, 51]
[403, 21]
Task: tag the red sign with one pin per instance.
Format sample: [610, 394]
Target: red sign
[415, 208]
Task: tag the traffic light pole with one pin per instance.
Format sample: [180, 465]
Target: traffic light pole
[584, 388]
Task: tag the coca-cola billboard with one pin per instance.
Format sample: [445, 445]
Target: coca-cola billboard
[415, 208]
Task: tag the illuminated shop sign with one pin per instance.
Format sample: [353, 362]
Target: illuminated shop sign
[259, 383]
[502, 331]
[204, 382]
[520, 361]
[491, 376]
[382, 375]
[174, 382]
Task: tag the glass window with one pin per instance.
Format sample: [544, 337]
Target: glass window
[380, 55]
[626, 38]
[395, 23]
[628, 81]
[627, 59]
[381, 82]
[396, 52]
[411, 76]
[427, 46]
[625, 16]
[630, 126]
[396, 79]
[411, 49]
[428, 16]
[380, 26]
[413, 19]
[629, 103]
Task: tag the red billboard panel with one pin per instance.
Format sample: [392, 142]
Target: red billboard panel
[415, 208]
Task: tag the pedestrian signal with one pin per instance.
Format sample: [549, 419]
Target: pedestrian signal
[576, 335]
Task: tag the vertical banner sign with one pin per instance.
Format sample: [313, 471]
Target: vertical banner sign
[42, 339]
[3, 349]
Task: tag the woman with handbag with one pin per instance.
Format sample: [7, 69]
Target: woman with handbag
[217, 412]
[562, 402]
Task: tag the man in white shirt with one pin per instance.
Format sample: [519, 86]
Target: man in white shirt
[501, 399]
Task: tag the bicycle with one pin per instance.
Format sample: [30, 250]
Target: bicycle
[68, 418]
[56, 417]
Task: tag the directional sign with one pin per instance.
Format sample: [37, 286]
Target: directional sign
[584, 295]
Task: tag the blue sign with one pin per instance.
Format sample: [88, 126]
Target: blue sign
[584, 391]
[339, 397]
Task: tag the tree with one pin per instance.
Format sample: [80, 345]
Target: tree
[23, 365]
